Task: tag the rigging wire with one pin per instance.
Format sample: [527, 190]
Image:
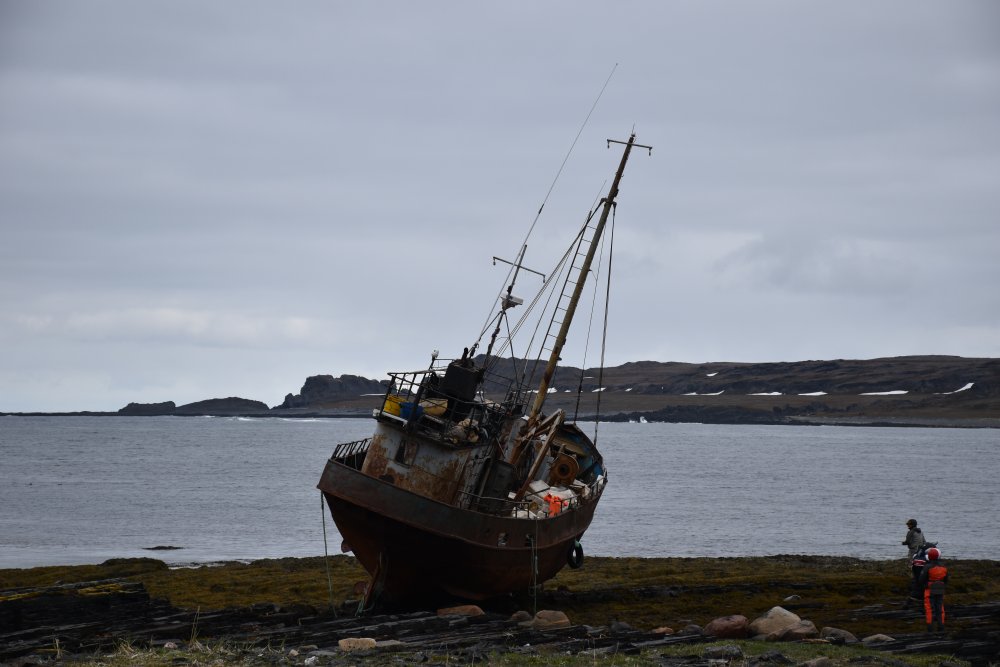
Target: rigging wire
[570, 151]
[555, 278]
[551, 188]
[586, 345]
[547, 286]
[607, 303]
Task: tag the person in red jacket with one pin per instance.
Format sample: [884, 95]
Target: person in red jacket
[933, 580]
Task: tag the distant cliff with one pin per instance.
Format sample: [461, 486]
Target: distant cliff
[321, 391]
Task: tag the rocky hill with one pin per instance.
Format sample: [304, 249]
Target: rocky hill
[913, 391]
[322, 391]
[220, 407]
[916, 390]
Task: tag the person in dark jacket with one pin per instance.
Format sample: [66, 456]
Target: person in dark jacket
[933, 580]
[914, 539]
[914, 543]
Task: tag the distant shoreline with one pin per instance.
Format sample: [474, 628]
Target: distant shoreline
[890, 422]
[930, 391]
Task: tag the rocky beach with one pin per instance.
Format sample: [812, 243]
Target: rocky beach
[821, 611]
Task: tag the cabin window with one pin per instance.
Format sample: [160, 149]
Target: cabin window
[502, 540]
[406, 453]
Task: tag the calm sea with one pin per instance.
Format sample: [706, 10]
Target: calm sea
[85, 489]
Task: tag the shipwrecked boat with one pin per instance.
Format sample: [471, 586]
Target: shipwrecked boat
[467, 487]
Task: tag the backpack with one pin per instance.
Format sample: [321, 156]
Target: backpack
[920, 558]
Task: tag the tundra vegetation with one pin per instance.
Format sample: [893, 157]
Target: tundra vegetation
[861, 596]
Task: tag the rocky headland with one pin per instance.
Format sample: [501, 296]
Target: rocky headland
[897, 391]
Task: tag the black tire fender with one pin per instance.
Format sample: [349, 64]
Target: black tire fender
[575, 555]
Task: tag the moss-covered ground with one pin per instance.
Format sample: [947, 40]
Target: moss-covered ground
[861, 596]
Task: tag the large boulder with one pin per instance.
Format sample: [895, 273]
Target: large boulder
[799, 631]
[774, 622]
[728, 627]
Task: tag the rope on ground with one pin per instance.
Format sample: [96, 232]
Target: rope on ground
[326, 553]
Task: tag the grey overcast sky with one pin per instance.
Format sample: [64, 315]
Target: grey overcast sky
[209, 199]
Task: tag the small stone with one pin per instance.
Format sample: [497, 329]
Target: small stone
[461, 610]
[877, 639]
[723, 652]
[821, 661]
[663, 630]
[548, 619]
[775, 657]
[838, 636]
[311, 660]
[521, 616]
[356, 643]
[727, 627]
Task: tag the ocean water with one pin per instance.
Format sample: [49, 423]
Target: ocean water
[85, 489]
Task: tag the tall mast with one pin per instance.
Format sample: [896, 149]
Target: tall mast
[608, 203]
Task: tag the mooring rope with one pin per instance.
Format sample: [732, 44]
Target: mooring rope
[326, 553]
[534, 571]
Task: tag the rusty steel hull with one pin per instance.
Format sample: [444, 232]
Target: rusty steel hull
[413, 546]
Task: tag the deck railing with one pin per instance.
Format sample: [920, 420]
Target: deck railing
[351, 454]
[521, 508]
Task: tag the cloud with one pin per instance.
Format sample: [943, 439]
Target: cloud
[189, 192]
[170, 325]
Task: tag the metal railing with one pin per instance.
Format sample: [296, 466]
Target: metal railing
[346, 450]
[508, 507]
[421, 397]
